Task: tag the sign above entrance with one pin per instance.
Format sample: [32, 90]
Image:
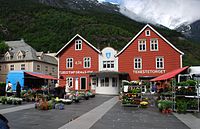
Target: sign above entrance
[149, 71]
[108, 54]
[75, 72]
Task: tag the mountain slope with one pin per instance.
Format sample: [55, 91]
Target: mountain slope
[48, 28]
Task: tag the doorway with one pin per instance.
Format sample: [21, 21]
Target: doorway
[83, 83]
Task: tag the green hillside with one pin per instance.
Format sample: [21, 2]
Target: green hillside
[48, 29]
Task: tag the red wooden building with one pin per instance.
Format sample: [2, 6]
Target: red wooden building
[76, 59]
[149, 55]
[146, 56]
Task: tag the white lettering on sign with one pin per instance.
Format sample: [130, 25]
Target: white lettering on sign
[78, 62]
[75, 72]
[148, 71]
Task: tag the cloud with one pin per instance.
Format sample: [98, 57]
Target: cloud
[169, 13]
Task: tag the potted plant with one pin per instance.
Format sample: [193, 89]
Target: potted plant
[3, 99]
[144, 104]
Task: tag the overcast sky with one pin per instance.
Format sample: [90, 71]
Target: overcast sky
[170, 13]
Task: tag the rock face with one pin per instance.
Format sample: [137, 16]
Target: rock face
[191, 31]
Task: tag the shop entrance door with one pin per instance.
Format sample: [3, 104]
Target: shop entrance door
[83, 83]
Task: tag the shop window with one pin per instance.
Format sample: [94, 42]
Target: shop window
[78, 44]
[154, 44]
[137, 63]
[69, 81]
[159, 63]
[12, 67]
[22, 66]
[114, 82]
[142, 45]
[69, 63]
[147, 33]
[38, 67]
[102, 82]
[108, 64]
[106, 82]
[87, 62]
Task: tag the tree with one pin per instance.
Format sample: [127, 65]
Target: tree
[3, 47]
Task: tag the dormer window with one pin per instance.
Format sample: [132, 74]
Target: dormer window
[7, 56]
[78, 44]
[20, 55]
[147, 33]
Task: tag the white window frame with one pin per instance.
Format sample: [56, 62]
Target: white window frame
[147, 33]
[159, 61]
[46, 68]
[137, 60]
[143, 43]
[78, 44]
[53, 69]
[104, 84]
[23, 66]
[87, 62]
[153, 42]
[69, 80]
[69, 63]
[12, 68]
[38, 67]
[109, 63]
[115, 83]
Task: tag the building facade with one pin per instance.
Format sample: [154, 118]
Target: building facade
[149, 55]
[146, 56]
[76, 60]
[21, 56]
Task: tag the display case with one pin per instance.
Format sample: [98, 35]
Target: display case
[186, 96]
[131, 94]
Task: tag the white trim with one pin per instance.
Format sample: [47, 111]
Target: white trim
[77, 35]
[181, 61]
[145, 43]
[149, 33]
[156, 33]
[153, 39]
[90, 59]
[85, 83]
[58, 69]
[72, 63]
[137, 63]
[163, 62]
[71, 79]
[77, 42]
[10, 67]
[21, 66]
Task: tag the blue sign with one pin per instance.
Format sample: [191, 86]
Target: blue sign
[108, 55]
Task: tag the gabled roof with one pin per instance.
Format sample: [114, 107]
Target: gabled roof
[77, 35]
[156, 33]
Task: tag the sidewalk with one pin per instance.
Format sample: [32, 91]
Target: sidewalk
[190, 120]
[88, 119]
[18, 108]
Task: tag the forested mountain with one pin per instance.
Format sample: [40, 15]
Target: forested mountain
[48, 28]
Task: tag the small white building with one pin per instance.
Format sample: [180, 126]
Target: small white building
[107, 80]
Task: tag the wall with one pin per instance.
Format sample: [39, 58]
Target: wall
[126, 58]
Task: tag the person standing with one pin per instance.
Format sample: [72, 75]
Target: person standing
[8, 88]
[18, 90]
